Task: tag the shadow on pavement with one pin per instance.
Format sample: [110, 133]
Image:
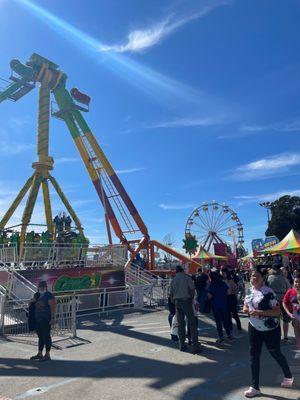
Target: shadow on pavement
[214, 383]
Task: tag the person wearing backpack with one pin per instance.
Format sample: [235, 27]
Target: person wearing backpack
[44, 319]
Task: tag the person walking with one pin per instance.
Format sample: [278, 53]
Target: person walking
[280, 285]
[232, 300]
[201, 284]
[291, 304]
[44, 315]
[218, 292]
[182, 295]
[263, 310]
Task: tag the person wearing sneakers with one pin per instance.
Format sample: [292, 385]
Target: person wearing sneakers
[182, 293]
[279, 284]
[291, 304]
[218, 293]
[264, 311]
[45, 308]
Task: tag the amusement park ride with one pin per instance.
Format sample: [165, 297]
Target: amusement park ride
[121, 216]
[214, 224]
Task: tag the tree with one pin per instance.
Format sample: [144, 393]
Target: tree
[285, 215]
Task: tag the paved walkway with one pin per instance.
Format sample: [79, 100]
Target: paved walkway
[131, 357]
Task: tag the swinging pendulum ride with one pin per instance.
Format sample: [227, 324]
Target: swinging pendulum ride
[121, 216]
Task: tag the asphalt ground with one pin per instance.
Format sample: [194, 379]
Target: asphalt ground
[129, 356]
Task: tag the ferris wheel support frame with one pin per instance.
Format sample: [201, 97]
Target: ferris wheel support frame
[211, 228]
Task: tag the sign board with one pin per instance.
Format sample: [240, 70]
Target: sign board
[263, 244]
[68, 279]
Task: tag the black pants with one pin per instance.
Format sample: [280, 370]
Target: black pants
[43, 328]
[272, 341]
[233, 312]
[222, 320]
[189, 336]
[184, 307]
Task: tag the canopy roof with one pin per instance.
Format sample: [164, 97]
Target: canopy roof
[247, 257]
[289, 244]
[205, 255]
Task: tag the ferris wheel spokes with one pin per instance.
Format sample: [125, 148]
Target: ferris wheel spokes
[215, 223]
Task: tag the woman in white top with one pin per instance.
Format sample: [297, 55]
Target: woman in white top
[264, 312]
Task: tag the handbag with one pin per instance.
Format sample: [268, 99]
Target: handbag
[174, 326]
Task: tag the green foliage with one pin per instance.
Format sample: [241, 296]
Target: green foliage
[190, 244]
[285, 216]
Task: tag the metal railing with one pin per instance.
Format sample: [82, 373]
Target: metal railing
[104, 300]
[18, 287]
[14, 318]
[56, 255]
[157, 295]
[14, 314]
[8, 253]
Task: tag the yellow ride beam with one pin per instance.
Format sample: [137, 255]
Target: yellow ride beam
[67, 204]
[27, 213]
[16, 202]
[47, 204]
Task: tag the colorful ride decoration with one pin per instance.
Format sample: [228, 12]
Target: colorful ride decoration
[190, 244]
[87, 281]
[213, 224]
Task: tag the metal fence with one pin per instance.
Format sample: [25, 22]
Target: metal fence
[105, 300]
[157, 295]
[14, 318]
[107, 255]
[14, 313]
[8, 254]
[53, 255]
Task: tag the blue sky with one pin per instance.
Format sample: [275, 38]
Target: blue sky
[192, 101]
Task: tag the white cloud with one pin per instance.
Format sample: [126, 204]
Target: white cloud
[252, 129]
[183, 206]
[13, 148]
[128, 170]
[188, 122]
[256, 198]
[267, 167]
[287, 126]
[64, 160]
[142, 39]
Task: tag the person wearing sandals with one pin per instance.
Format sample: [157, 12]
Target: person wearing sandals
[45, 307]
[263, 310]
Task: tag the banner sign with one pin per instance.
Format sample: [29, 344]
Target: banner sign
[66, 279]
[263, 244]
[220, 249]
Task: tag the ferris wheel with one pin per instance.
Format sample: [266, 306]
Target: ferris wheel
[215, 223]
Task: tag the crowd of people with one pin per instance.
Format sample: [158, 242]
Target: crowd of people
[272, 294]
[63, 234]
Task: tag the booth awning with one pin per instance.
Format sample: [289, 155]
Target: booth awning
[290, 244]
[205, 255]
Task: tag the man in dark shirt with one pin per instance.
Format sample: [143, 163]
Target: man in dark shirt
[201, 287]
[182, 295]
[45, 308]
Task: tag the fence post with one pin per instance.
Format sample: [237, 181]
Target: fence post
[104, 300]
[2, 313]
[73, 316]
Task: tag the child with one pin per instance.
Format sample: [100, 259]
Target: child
[172, 313]
[291, 304]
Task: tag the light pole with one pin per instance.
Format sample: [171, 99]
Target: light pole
[267, 205]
